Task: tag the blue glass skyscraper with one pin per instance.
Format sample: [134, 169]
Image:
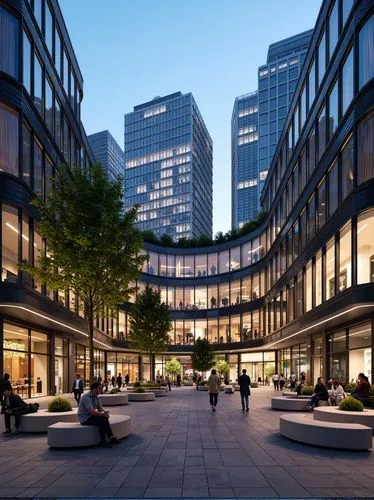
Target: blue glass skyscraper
[107, 151]
[169, 167]
[244, 150]
[250, 160]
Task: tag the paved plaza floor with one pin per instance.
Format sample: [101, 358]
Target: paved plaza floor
[180, 448]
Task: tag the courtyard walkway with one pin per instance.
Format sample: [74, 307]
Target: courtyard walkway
[179, 448]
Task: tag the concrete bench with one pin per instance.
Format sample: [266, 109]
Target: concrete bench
[254, 385]
[40, 421]
[229, 389]
[292, 404]
[121, 398]
[141, 396]
[290, 394]
[75, 435]
[333, 414]
[304, 429]
[202, 387]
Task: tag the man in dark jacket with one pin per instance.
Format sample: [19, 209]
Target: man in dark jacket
[320, 394]
[4, 384]
[245, 389]
[77, 388]
[12, 404]
[119, 381]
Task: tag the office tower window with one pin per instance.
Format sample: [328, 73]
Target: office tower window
[26, 62]
[345, 260]
[333, 100]
[26, 154]
[38, 168]
[9, 45]
[38, 84]
[308, 287]
[365, 248]
[49, 105]
[312, 151]
[321, 206]
[366, 59]
[333, 176]
[58, 46]
[10, 244]
[330, 269]
[365, 148]
[321, 58]
[311, 84]
[49, 173]
[49, 28]
[66, 72]
[38, 12]
[333, 27]
[25, 239]
[321, 133]
[346, 9]
[347, 81]
[58, 123]
[302, 107]
[318, 275]
[347, 168]
[9, 137]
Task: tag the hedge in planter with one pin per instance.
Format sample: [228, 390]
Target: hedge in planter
[59, 404]
[139, 390]
[136, 384]
[308, 390]
[351, 404]
[115, 390]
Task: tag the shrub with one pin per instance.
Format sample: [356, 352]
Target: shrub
[115, 390]
[308, 390]
[137, 384]
[59, 404]
[139, 390]
[203, 382]
[351, 404]
[350, 387]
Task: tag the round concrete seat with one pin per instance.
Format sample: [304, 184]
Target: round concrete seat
[229, 389]
[202, 388]
[290, 394]
[304, 429]
[121, 398]
[75, 435]
[141, 396]
[289, 404]
[40, 421]
[333, 414]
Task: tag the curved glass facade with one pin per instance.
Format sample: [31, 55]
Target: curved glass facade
[295, 294]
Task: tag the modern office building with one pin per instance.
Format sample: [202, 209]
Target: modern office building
[244, 161]
[276, 83]
[107, 151]
[295, 294]
[169, 167]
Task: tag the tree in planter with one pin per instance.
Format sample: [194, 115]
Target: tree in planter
[173, 367]
[222, 368]
[150, 324]
[202, 357]
[93, 248]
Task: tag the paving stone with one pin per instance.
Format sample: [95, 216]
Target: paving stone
[195, 491]
[221, 493]
[163, 493]
[246, 476]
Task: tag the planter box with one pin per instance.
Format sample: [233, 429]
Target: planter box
[188, 383]
[114, 399]
[40, 421]
[141, 396]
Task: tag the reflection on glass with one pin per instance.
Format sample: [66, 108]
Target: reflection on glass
[365, 248]
[10, 242]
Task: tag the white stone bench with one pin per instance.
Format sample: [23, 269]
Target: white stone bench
[333, 414]
[294, 395]
[202, 387]
[229, 389]
[41, 420]
[304, 429]
[292, 404]
[141, 396]
[121, 398]
[75, 435]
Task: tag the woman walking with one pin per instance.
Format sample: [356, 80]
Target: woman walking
[213, 387]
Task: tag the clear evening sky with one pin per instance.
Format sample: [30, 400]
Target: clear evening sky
[130, 51]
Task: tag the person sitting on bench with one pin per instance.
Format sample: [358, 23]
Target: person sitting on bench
[90, 412]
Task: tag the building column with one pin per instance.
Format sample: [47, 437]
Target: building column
[51, 389]
[71, 374]
[1, 347]
[372, 348]
[239, 360]
[139, 368]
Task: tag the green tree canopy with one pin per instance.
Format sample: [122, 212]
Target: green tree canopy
[202, 357]
[150, 323]
[222, 367]
[173, 367]
[93, 247]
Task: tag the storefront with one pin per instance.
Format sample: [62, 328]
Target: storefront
[122, 363]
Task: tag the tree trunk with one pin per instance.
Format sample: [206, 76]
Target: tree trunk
[91, 341]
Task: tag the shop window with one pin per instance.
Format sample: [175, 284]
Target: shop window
[16, 357]
[318, 279]
[366, 60]
[365, 248]
[39, 363]
[338, 355]
[9, 45]
[200, 265]
[10, 244]
[365, 148]
[9, 140]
